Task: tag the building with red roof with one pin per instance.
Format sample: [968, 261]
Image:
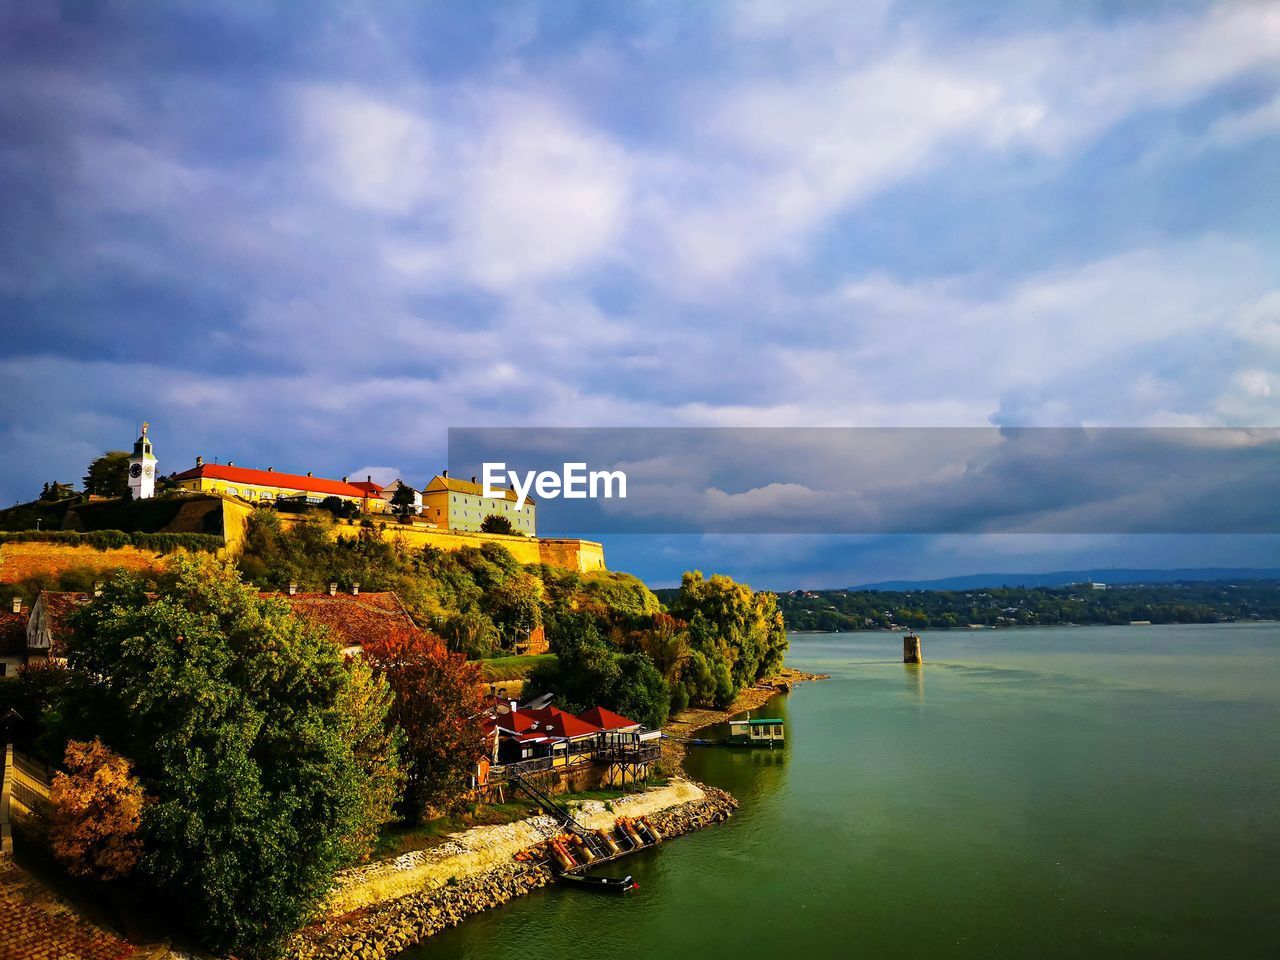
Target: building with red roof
[608, 720]
[268, 485]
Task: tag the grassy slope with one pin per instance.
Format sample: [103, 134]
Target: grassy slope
[512, 668]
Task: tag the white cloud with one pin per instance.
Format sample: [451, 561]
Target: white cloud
[368, 152]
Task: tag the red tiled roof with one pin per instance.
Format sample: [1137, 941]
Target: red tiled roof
[606, 719]
[369, 487]
[352, 619]
[543, 714]
[566, 725]
[13, 632]
[517, 721]
[271, 478]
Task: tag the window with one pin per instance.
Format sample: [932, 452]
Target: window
[233, 491]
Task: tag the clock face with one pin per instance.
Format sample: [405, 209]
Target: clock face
[135, 470]
[148, 470]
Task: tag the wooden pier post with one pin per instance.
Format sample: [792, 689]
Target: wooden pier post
[911, 649]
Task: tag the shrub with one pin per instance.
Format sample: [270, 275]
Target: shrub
[95, 812]
[232, 711]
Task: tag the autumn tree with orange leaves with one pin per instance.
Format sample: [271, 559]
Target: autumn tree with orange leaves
[438, 700]
[96, 812]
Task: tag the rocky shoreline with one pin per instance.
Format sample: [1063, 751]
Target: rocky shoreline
[386, 929]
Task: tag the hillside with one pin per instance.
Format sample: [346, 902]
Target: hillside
[1062, 578]
[1190, 602]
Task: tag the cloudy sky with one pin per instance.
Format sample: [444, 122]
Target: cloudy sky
[315, 236]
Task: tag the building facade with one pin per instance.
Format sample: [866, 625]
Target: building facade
[265, 486]
[453, 504]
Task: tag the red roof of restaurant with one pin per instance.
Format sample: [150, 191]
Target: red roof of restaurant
[272, 478]
[606, 719]
[517, 721]
[369, 487]
[566, 725]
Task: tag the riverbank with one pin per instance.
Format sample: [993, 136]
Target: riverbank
[490, 877]
[688, 722]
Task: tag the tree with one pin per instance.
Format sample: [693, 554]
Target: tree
[404, 500]
[55, 491]
[514, 604]
[471, 633]
[365, 704]
[96, 809]
[496, 523]
[738, 633]
[340, 507]
[232, 712]
[438, 701]
[589, 671]
[108, 475]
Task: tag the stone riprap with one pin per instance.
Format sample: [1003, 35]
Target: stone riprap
[387, 928]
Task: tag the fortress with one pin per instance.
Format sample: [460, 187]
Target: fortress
[208, 507]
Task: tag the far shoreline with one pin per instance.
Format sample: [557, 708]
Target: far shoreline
[1029, 626]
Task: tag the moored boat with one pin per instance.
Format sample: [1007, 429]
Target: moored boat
[600, 884]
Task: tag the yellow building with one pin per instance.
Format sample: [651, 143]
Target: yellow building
[453, 504]
[266, 486]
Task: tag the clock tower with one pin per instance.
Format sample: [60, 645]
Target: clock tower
[142, 468]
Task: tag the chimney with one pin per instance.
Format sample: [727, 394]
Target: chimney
[369, 478]
[355, 588]
[346, 479]
[333, 589]
[231, 463]
[17, 604]
[271, 469]
[293, 587]
[97, 588]
[473, 479]
[444, 474]
[308, 473]
[199, 461]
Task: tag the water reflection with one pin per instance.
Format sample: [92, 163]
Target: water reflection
[914, 673]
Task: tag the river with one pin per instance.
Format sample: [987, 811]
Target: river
[1066, 792]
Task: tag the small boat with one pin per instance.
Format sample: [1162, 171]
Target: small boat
[601, 884]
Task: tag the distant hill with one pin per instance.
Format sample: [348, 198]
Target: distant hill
[1060, 578]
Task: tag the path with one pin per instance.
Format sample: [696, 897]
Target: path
[37, 924]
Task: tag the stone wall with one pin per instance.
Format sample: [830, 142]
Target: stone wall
[386, 929]
[570, 554]
[21, 561]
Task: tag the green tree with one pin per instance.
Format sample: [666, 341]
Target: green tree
[496, 523]
[365, 705]
[403, 500]
[108, 475]
[589, 671]
[55, 491]
[738, 632]
[232, 712]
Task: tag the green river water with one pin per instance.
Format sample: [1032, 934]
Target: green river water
[1068, 792]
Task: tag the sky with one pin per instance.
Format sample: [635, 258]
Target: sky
[316, 236]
